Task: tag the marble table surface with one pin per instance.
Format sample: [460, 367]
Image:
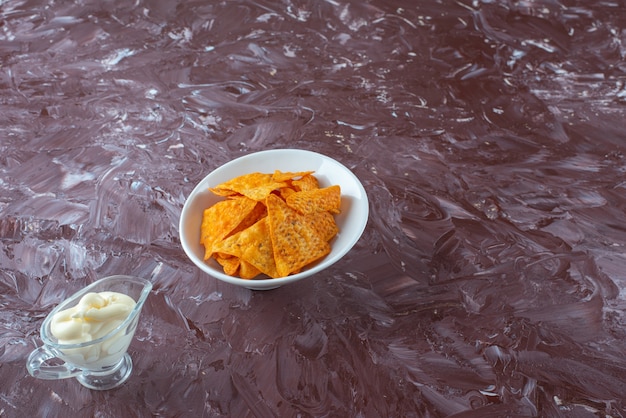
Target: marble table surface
[490, 137]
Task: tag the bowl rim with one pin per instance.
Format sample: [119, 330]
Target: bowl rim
[271, 283]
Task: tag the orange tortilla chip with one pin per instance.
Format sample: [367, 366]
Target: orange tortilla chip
[271, 224]
[248, 271]
[255, 186]
[308, 182]
[228, 262]
[220, 219]
[259, 212]
[323, 223]
[294, 241]
[252, 245]
[284, 192]
[284, 176]
[309, 201]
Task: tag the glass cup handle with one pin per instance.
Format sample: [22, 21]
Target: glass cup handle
[38, 368]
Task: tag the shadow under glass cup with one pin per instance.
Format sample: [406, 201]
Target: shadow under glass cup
[102, 363]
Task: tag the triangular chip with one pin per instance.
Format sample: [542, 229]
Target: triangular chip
[284, 192]
[256, 214]
[276, 224]
[248, 271]
[255, 186]
[295, 242]
[308, 182]
[288, 175]
[221, 218]
[309, 201]
[252, 245]
[324, 223]
[228, 262]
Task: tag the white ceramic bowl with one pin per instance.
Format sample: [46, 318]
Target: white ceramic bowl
[351, 221]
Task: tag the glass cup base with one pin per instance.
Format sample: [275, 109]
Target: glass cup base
[109, 379]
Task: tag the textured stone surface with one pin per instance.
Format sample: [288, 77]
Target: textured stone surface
[489, 136]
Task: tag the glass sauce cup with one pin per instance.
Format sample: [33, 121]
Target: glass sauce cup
[102, 363]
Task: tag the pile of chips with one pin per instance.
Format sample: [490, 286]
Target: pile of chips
[273, 224]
